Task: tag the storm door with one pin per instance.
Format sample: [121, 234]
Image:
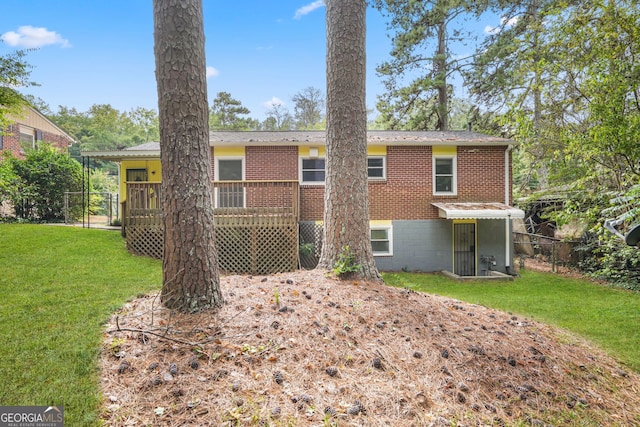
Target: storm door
[230, 195]
[464, 249]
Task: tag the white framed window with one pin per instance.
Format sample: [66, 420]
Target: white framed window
[382, 240]
[312, 170]
[230, 195]
[444, 175]
[377, 167]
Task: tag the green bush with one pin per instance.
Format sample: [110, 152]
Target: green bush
[43, 177]
[609, 259]
[9, 181]
[346, 263]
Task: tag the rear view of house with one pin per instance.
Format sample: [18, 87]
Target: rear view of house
[438, 200]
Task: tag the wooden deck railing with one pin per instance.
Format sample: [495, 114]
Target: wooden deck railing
[236, 203]
[256, 224]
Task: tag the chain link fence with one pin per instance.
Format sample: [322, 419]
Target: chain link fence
[558, 252]
[91, 208]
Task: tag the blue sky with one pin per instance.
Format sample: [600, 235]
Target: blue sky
[101, 51]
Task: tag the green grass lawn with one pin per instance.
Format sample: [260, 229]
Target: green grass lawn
[605, 316]
[59, 285]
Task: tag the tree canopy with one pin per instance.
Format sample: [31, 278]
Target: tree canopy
[308, 108]
[14, 74]
[417, 77]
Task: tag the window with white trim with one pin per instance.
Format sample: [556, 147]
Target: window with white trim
[232, 194]
[377, 167]
[312, 171]
[381, 240]
[444, 175]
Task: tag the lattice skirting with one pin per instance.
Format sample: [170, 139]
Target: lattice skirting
[257, 250]
[253, 250]
[310, 244]
[145, 240]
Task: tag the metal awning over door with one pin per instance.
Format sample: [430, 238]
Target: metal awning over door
[477, 211]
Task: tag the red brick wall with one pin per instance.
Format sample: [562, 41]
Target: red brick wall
[406, 193]
[271, 163]
[481, 174]
[57, 141]
[407, 190]
[11, 141]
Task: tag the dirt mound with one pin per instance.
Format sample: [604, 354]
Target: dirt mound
[306, 349]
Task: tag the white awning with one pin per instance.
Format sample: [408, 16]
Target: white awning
[477, 211]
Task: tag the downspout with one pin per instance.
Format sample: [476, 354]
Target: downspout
[507, 200]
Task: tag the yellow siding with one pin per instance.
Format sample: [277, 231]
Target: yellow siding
[153, 167]
[380, 223]
[228, 151]
[377, 150]
[304, 151]
[445, 150]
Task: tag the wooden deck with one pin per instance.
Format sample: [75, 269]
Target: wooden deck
[256, 223]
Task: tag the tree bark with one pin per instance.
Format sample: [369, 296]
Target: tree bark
[190, 265]
[441, 76]
[346, 215]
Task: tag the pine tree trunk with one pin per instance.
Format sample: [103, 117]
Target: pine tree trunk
[346, 215]
[441, 76]
[190, 265]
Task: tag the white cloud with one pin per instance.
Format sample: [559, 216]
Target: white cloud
[304, 10]
[504, 23]
[273, 102]
[489, 29]
[33, 37]
[212, 72]
[510, 22]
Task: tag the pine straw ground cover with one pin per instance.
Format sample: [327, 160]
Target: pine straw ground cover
[305, 349]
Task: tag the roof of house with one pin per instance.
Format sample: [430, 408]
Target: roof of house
[33, 118]
[310, 138]
[379, 137]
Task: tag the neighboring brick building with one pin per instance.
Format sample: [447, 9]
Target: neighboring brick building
[438, 200]
[30, 129]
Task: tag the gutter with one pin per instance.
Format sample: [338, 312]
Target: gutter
[507, 223]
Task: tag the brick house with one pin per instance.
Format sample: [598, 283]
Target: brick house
[31, 128]
[438, 200]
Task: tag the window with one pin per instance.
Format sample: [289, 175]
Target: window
[312, 171]
[137, 175]
[444, 175]
[376, 167]
[381, 241]
[26, 142]
[1, 142]
[230, 195]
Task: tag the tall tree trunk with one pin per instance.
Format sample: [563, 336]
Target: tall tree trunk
[441, 76]
[346, 214]
[543, 172]
[190, 265]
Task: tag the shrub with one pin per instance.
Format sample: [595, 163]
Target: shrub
[44, 176]
[346, 263]
[611, 260]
